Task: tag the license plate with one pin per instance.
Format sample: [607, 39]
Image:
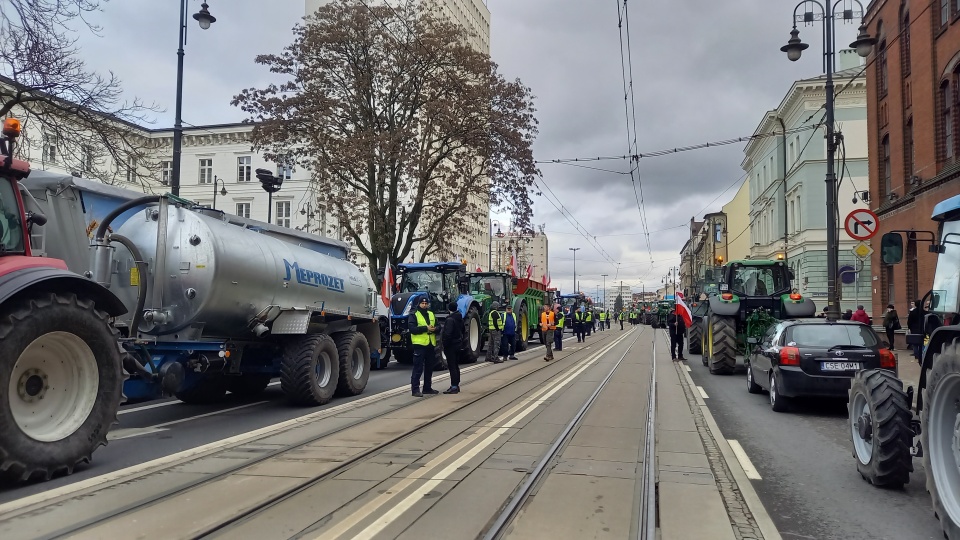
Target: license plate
[839, 366]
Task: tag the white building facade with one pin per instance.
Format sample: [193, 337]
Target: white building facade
[531, 251]
[788, 219]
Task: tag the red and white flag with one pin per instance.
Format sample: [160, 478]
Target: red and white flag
[529, 271]
[386, 288]
[683, 310]
[478, 268]
[543, 279]
[513, 262]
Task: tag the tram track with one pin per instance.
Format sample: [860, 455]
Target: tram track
[9, 523]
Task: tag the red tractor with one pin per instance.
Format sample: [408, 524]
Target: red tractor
[60, 365]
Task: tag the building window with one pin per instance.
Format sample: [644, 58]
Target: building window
[243, 168]
[284, 171]
[282, 214]
[166, 172]
[944, 12]
[882, 68]
[799, 214]
[50, 148]
[243, 209]
[885, 171]
[792, 216]
[905, 42]
[131, 169]
[206, 171]
[946, 120]
[908, 150]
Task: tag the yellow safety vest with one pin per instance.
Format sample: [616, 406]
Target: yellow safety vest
[603, 316]
[425, 338]
[490, 321]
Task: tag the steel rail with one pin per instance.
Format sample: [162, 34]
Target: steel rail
[499, 527]
[648, 501]
[133, 506]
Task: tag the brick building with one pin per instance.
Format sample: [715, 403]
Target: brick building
[913, 102]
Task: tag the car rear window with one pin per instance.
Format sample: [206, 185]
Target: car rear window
[830, 335]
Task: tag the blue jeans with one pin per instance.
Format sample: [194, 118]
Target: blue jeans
[424, 356]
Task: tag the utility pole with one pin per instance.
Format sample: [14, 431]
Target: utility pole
[576, 288]
[604, 290]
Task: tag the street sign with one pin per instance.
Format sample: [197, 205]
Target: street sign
[861, 224]
[862, 251]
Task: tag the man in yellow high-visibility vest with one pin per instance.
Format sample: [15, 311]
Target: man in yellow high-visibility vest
[423, 336]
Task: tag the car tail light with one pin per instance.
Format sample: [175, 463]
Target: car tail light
[727, 296]
[795, 296]
[789, 356]
[888, 360]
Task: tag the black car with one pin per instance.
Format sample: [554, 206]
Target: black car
[813, 357]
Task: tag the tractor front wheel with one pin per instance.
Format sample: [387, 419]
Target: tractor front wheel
[722, 340]
[879, 417]
[941, 438]
[694, 338]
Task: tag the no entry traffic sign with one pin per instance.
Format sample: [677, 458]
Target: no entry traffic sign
[861, 224]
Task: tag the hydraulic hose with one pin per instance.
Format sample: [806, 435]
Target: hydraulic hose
[102, 229]
[141, 287]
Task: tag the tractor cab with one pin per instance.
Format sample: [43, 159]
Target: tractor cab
[489, 287]
[441, 282]
[756, 284]
[13, 219]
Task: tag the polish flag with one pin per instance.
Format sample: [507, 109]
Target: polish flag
[386, 289]
[513, 262]
[478, 268]
[683, 310]
[543, 279]
[529, 271]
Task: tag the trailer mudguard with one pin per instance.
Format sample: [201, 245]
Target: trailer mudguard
[726, 308]
[59, 281]
[793, 309]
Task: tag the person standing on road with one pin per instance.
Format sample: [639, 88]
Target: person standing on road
[548, 326]
[452, 338]
[494, 331]
[508, 342]
[860, 316]
[423, 337]
[891, 323]
[603, 320]
[579, 320]
[678, 329]
[915, 326]
[558, 333]
[609, 316]
[620, 318]
[588, 321]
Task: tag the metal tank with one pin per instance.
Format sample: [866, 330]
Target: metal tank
[221, 280]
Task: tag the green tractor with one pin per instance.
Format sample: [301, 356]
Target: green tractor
[660, 310]
[525, 296]
[753, 296]
[698, 309]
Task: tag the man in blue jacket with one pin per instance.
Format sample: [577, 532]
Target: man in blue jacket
[508, 342]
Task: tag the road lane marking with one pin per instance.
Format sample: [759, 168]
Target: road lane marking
[703, 393]
[148, 467]
[686, 367]
[119, 434]
[518, 412]
[744, 460]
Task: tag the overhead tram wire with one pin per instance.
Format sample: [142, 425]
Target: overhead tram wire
[591, 239]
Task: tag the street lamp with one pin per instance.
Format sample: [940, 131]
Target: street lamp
[574, 250]
[223, 189]
[604, 301]
[307, 210]
[794, 48]
[490, 245]
[271, 184]
[205, 19]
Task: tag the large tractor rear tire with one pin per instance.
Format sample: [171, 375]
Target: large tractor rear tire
[941, 438]
[523, 333]
[310, 370]
[694, 339]
[722, 340]
[354, 357]
[473, 335]
[879, 417]
[61, 382]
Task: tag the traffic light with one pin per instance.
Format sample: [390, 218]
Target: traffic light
[270, 183]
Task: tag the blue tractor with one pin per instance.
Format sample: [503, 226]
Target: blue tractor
[441, 283]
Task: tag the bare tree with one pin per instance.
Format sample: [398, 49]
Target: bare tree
[75, 116]
[408, 131]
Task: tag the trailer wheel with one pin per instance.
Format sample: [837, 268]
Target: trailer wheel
[248, 385]
[722, 340]
[879, 418]
[941, 438]
[310, 370]
[60, 385]
[207, 389]
[354, 353]
[471, 326]
[694, 339]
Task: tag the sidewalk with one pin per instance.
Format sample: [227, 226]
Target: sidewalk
[703, 490]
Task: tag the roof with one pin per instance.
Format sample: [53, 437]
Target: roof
[431, 266]
[755, 262]
[945, 207]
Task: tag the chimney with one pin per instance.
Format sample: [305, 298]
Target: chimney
[848, 59]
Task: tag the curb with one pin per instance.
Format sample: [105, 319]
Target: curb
[750, 497]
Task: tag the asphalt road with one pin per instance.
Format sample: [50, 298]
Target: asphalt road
[810, 485]
[155, 429]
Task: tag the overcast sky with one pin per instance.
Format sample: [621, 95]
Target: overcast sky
[703, 71]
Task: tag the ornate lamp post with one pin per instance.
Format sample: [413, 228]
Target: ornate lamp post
[205, 19]
[794, 48]
[223, 189]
